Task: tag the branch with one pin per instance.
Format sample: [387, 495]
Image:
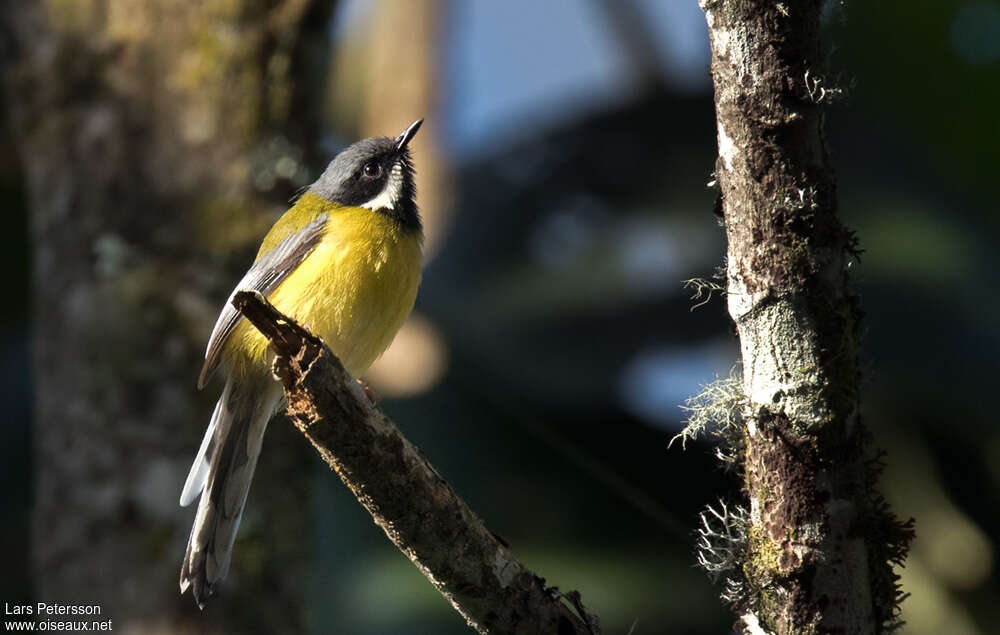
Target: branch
[418, 510]
[819, 544]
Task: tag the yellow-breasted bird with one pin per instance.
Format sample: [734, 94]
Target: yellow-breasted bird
[345, 260]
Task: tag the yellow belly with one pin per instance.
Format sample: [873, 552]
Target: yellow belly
[354, 290]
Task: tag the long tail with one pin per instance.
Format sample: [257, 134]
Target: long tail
[221, 473]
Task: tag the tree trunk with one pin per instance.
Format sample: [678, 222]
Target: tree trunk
[150, 134]
[818, 539]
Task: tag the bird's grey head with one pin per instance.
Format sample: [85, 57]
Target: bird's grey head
[376, 173]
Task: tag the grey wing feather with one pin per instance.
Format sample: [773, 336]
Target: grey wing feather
[269, 271]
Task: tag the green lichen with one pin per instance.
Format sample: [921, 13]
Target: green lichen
[766, 496]
[763, 558]
[761, 568]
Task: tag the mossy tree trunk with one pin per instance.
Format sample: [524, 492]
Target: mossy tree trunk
[818, 541]
[158, 139]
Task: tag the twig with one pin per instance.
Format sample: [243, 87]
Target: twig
[418, 510]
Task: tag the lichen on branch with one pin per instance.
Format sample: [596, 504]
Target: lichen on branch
[819, 544]
[406, 496]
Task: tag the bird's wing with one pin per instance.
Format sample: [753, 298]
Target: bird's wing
[269, 270]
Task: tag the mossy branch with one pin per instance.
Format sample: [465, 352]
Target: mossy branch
[418, 510]
[820, 544]
[717, 411]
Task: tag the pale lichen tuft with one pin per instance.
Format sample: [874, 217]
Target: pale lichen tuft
[717, 410]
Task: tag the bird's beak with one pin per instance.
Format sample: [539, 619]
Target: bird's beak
[407, 134]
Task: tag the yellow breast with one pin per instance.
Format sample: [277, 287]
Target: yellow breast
[354, 290]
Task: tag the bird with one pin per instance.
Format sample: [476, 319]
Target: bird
[345, 260]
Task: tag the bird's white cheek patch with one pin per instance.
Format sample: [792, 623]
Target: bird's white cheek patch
[389, 195]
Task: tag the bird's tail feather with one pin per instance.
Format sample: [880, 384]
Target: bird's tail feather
[195, 482]
[221, 473]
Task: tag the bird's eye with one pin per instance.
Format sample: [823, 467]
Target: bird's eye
[372, 170]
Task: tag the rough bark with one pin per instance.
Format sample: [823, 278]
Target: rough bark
[818, 539]
[149, 133]
[418, 510]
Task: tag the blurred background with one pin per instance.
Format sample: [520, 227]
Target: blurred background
[148, 145]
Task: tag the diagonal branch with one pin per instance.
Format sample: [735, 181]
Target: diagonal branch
[418, 510]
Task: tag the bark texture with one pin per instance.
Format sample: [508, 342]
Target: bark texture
[818, 538]
[418, 510]
[151, 133]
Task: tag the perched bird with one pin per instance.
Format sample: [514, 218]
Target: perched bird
[344, 260]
